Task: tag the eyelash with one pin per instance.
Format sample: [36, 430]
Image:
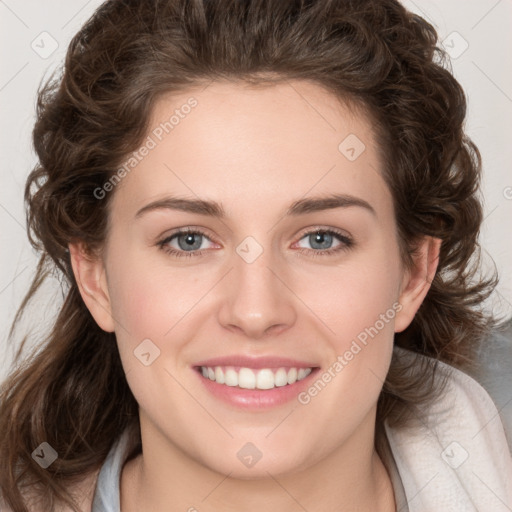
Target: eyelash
[346, 243]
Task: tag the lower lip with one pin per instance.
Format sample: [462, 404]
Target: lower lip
[256, 398]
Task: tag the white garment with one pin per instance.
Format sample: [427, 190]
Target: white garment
[456, 457]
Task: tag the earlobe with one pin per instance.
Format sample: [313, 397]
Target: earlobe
[417, 280]
[91, 279]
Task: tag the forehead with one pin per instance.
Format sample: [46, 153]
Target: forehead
[243, 145]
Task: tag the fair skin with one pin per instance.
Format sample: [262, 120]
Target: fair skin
[255, 152]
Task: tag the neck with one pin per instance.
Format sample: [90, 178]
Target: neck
[165, 478]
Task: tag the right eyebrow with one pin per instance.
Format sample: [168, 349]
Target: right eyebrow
[199, 206]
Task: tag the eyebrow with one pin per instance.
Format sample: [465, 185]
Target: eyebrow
[215, 209]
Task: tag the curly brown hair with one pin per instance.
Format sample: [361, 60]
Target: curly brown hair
[372, 53]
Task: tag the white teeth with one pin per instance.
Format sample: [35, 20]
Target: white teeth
[281, 377]
[231, 377]
[265, 379]
[219, 375]
[292, 375]
[302, 373]
[248, 378]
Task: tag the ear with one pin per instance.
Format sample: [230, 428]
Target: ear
[417, 280]
[91, 278]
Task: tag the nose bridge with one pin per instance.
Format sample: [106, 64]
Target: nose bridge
[257, 298]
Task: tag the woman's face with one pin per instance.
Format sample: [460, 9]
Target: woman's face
[254, 174]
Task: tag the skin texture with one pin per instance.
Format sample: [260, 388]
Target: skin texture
[255, 151]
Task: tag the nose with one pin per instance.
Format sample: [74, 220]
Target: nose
[257, 301]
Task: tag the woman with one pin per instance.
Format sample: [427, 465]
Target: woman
[266, 213]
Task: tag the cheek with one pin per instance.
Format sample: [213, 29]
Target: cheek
[137, 304]
[366, 298]
[148, 300]
[352, 297]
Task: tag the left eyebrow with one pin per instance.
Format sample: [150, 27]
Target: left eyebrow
[299, 207]
[315, 204]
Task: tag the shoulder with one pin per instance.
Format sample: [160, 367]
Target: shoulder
[467, 409]
[456, 453]
[480, 397]
[494, 373]
[463, 410]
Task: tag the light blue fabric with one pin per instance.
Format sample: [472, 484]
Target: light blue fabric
[106, 496]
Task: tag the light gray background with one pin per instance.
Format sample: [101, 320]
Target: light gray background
[483, 68]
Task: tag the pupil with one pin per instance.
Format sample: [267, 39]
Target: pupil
[322, 238]
[190, 241]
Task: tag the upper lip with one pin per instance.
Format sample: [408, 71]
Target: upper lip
[255, 362]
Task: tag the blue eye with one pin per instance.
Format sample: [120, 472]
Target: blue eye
[187, 243]
[323, 239]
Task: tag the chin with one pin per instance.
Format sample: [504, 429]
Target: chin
[247, 462]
